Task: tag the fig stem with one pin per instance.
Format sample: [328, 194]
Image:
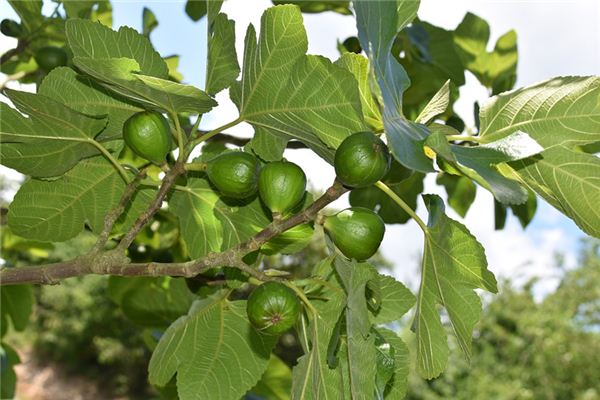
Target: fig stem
[112, 160]
[214, 132]
[195, 166]
[303, 297]
[179, 135]
[385, 188]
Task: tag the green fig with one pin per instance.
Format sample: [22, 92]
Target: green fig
[361, 160]
[273, 308]
[356, 231]
[11, 28]
[50, 57]
[352, 44]
[234, 174]
[148, 134]
[281, 186]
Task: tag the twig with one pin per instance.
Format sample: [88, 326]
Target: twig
[167, 182]
[114, 262]
[383, 187]
[114, 214]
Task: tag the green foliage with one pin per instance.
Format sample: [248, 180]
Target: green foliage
[214, 342]
[280, 85]
[453, 265]
[200, 219]
[58, 210]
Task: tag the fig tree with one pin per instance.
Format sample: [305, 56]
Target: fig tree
[148, 134]
[356, 231]
[50, 57]
[281, 185]
[273, 308]
[11, 28]
[361, 160]
[234, 174]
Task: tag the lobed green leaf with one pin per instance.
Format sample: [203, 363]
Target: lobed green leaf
[58, 210]
[454, 264]
[214, 350]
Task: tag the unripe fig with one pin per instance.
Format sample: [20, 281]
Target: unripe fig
[148, 134]
[234, 174]
[281, 185]
[361, 160]
[273, 308]
[352, 44]
[11, 28]
[50, 57]
[356, 231]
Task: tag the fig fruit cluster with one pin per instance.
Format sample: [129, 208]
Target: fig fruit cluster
[281, 185]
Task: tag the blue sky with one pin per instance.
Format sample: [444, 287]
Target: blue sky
[547, 47]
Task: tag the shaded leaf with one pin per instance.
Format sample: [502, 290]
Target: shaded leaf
[496, 69]
[149, 21]
[17, 304]
[396, 300]
[8, 378]
[397, 386]
[208, 223]
[267, 145]
[157, 303]
[405, 184]
[312, 378]
[276, 382]
[461, 192]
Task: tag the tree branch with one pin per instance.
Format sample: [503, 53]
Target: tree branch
[114, 262]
